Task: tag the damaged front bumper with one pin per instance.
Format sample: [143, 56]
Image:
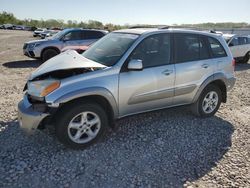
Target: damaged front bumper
[29, 119]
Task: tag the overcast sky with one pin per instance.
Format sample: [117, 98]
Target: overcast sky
[132, 11]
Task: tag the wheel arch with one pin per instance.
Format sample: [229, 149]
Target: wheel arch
[217, 79]
[50, 47]
[100, 96]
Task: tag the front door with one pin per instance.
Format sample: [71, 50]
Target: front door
[153, 87]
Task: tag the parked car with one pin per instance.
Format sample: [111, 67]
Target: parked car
[37, 32]
[19, 27]
[30, 28]
[8, 26]
[48, 48]
[127, 72]
[79, 49]
[239, 46]
[48, 33]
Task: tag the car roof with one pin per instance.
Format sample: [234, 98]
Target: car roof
[81, 29]
[142, 31]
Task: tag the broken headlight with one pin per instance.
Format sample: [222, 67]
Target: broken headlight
[42, 88]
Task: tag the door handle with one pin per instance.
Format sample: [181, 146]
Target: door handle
[205, 66]
[167, 72]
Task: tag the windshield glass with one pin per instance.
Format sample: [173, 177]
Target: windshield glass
[109, 49]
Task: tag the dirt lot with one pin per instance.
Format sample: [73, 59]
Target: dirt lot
[167, 148]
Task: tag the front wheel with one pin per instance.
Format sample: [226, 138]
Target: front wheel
[208, 102]
[81, 125]
[48, 53]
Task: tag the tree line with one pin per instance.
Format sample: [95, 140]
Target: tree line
[9, 18]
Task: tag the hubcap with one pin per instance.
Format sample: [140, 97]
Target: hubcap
[210, 102]
[84, 127]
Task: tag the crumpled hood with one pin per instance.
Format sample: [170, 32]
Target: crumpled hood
[67, 60]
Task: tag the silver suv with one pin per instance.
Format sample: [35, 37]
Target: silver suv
[50, 47]
[127, 72]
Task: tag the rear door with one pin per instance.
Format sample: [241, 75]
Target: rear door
[152, 87]
[193, 65]
[245, 47]
[235, 47]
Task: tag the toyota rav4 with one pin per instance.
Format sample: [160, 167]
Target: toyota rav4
[127, 72]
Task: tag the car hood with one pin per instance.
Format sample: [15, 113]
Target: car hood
[39, 41]
[65, 61]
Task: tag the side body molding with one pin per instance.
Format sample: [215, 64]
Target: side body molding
[216, 76]
[100, 91]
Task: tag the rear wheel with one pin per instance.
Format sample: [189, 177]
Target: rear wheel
[246, 58]
[49, 53]
[208, 102]
[81, 124]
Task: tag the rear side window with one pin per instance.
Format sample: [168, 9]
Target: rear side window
[92, 34]
[216, 48]
[243, 40]
[190, 47]
[153, 51]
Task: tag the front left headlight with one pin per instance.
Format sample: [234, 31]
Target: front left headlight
[33, 45]
[42, 88]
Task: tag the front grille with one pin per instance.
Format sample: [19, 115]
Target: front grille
[31, 53]
[25, 46]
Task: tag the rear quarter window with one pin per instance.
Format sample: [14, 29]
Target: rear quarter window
[93, 34]
[216, 48]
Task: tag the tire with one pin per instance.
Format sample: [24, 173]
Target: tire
[76, 132]
[49, 53]
[213, 105]
[246, 58]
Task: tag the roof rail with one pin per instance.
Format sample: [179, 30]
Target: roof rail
[149, 26]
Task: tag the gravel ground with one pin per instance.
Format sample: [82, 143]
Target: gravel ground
[167, 148]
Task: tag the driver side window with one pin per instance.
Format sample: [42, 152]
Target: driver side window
[153, 51]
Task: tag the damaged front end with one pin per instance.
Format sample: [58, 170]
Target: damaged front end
[33, 110]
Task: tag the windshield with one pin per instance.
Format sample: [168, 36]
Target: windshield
[109, 49]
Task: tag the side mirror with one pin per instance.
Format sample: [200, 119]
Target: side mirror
[135, 64]
[231, 44]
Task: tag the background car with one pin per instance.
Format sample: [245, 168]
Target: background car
[48, 48]
[38, 31]
[48, 33]
[8, 26]
[239, 46]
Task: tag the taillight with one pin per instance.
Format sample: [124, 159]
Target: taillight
[233, 63]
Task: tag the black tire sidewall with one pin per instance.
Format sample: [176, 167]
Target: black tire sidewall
[208, 89]
[66, 115]
[246, 58]
[49, 53]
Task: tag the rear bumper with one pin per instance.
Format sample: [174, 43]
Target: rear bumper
[28, 118]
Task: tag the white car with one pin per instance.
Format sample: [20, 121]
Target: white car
[239, 46]
[38, 32]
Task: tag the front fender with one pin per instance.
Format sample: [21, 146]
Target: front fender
[99, 91]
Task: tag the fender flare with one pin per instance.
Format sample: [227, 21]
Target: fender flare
[210, 79]
[99, 91]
